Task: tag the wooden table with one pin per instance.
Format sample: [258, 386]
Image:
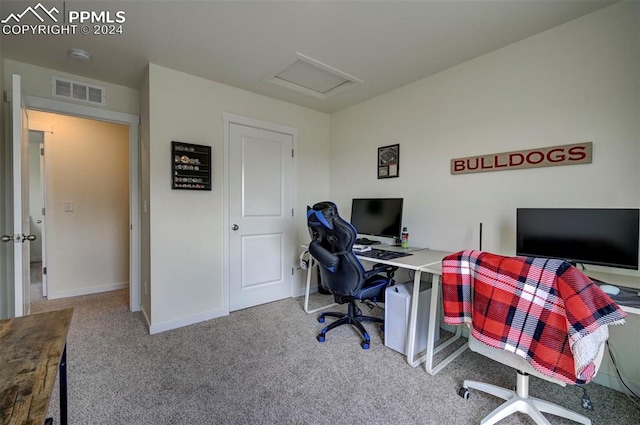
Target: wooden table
[32, 349]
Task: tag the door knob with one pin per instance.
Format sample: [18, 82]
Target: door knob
[28, 238]
[234, 227]
[6, 238]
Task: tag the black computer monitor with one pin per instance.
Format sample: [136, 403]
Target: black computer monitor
[377, 216]
[605, 236]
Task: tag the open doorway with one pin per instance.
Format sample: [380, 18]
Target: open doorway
[34, 103]
[85, 196]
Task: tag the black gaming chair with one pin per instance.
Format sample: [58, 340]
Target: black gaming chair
[341, 272]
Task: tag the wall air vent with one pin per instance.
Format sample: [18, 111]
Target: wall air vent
[77, 91]
[312, 77]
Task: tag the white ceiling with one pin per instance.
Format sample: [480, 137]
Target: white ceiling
[387, 44]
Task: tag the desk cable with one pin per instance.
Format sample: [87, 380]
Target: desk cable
[615, 365]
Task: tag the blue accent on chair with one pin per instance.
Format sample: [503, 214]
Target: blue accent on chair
[321, 219]
[341, 272]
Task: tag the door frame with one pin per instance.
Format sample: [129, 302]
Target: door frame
[43, 229]
[45, 175]
[133, 122]
[228, 119]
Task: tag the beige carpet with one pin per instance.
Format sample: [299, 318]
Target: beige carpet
[263, 365]
[35, 292]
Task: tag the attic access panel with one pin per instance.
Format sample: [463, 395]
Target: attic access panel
[313, 77]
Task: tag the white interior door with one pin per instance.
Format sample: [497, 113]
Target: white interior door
[21, 233]
[260, 215]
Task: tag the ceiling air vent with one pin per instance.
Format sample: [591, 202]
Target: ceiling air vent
[78, 91]
[312, 77]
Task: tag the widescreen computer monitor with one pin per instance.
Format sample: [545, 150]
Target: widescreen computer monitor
[605, 236]
[377, 216]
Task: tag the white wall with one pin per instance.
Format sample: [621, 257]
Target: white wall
[574, 83]
[88, 248]
[186, 227]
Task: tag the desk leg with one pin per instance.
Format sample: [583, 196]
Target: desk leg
[63, 387]
[312, 264]
[413, 322]
[433, 322]
[427, 358]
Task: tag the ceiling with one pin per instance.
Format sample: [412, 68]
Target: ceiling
[386, 44]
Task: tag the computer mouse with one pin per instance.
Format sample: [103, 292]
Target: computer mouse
[610, 289]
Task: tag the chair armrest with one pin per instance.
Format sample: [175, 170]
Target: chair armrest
[380, 268]
[324, 256]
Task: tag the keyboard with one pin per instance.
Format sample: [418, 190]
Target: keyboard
[383, 254]
[365, 241]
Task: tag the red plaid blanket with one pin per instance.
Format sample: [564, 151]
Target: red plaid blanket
[544, 310]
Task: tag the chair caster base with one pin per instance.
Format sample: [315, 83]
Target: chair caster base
[321, 337]
[464, 393]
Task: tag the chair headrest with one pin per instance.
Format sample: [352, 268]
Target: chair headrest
[322, 214]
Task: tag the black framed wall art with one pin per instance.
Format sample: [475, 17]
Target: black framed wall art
[389, 161]
[190, 166]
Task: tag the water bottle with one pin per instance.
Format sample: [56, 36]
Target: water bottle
[404, 238]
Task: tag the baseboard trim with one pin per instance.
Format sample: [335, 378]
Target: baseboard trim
[186, 321]
[299, 292]
[88, 291]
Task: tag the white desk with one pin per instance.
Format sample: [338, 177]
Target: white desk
[421, 261]
[619, 280]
